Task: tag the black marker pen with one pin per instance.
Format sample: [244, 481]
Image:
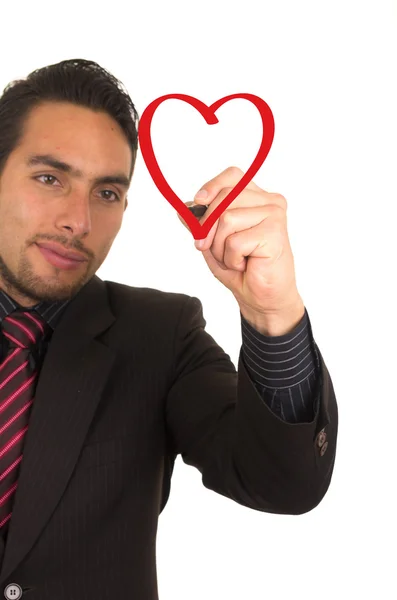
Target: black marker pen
[198, 209]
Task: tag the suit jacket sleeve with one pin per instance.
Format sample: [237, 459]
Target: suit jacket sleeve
[217, 420]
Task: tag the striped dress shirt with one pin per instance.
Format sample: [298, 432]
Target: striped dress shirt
[284, 369]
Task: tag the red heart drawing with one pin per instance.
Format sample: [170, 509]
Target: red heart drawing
[198, 230]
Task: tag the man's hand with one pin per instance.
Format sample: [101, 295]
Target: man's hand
[248, 250]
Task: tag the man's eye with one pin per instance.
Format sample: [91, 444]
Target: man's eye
[117, 198]
[46, 175]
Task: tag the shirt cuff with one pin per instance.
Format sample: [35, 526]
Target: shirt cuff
[284, 369]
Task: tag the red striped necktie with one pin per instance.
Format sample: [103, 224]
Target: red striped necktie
[23, 330]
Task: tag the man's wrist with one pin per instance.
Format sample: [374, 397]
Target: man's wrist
[275, 324]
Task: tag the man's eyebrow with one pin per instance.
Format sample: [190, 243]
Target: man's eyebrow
[52, 161]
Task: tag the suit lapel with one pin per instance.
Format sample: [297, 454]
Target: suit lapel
[74, 372]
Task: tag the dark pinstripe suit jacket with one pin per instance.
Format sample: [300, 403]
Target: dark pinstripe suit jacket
[126, 385]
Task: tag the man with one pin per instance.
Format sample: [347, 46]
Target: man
[102, 385]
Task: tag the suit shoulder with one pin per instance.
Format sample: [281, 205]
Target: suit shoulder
[144, 299]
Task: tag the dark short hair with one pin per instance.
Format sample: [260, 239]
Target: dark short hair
[81, 82]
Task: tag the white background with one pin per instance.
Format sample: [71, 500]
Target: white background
[327, 71]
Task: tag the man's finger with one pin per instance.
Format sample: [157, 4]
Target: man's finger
[229, 178]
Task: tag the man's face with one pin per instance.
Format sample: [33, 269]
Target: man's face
[40, 203]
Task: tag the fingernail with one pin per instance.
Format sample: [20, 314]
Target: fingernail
[201, 195]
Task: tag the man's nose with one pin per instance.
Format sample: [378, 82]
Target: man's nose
[76, 213]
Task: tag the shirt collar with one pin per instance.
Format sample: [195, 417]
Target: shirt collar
[51, 312]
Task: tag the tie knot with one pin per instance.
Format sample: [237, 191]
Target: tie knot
[23, 328]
